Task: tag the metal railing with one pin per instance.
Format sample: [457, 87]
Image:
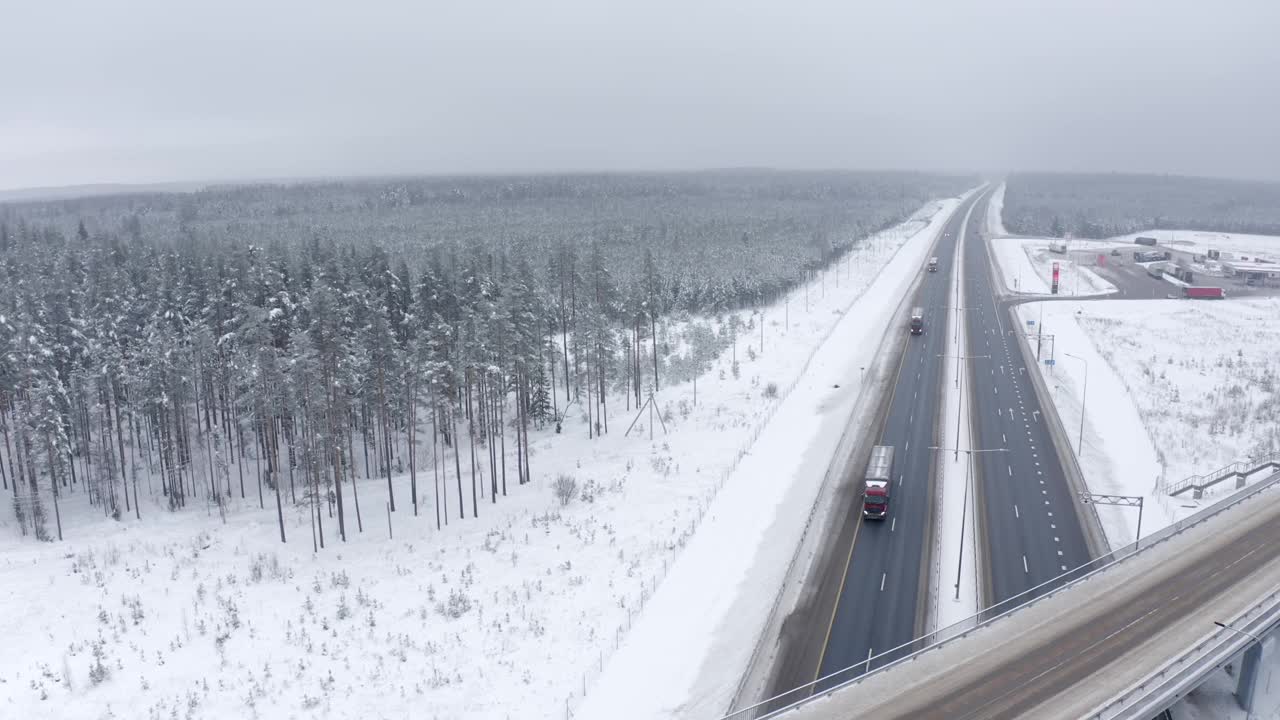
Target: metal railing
[1235, 469]
[911, 651]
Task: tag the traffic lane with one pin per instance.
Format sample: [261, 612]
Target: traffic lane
[864, 617]
[1030, 507]
[893, 545]
[1038, 507]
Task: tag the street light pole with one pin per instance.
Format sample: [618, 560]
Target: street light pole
[964, 511]
[1255, 638]
[960, 397]
[1084, 398]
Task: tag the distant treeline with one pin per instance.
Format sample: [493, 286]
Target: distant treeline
[1105, 205]
[294, 338]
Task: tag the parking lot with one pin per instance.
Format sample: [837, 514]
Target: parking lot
[1132, 281]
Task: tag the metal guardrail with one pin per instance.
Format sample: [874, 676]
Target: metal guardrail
[1235, 469]
[904, 654]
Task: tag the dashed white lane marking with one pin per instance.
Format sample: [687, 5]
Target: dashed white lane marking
[1015, 511]
[1055, 539]
[1052, 526]
[1005, 439]
[893, 524]
[1046, 503]
[1064, 567]
[1024, 564]
[1010, 471]
[884, 575]
[1059, 553]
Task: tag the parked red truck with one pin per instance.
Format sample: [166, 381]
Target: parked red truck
[1206, 293]
[875, 491]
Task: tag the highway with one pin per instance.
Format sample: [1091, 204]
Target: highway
[1071, 653]
[885, 569]
[1029, 526]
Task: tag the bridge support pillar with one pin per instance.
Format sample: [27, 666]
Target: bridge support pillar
[1258, 689]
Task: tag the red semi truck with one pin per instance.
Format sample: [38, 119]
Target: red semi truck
[875, 492]
[1206, 293]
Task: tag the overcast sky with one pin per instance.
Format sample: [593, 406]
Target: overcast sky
[161, 90]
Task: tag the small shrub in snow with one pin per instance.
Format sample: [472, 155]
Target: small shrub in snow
[566, 489]
[98, 671]
[456, 607]
[344, 610]
[771, 390]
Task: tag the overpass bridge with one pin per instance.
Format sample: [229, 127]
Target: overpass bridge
[1126, 637]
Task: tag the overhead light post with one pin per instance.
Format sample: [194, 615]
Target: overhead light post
[1084, 397]
[960, 397]
[964, 511]
[1253, 637]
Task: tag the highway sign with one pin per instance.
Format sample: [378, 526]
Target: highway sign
[1049, 362]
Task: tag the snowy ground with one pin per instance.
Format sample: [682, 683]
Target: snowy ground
[695, 640]
[1214, 700]
[511, 614]
[1176, 388]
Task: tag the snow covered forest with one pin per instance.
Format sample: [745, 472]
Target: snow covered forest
[1106, 205]
[271, 344]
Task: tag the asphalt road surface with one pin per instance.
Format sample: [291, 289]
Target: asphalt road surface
[1027, 520]
[885, 568]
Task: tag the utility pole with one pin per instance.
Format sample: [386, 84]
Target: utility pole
[960, 397]
[1039, 330]
[964, 512]
[956, 338]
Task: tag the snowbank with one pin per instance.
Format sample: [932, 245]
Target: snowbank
[695, 639]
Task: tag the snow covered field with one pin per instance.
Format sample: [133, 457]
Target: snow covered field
[512, 614]
[1176, 388]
